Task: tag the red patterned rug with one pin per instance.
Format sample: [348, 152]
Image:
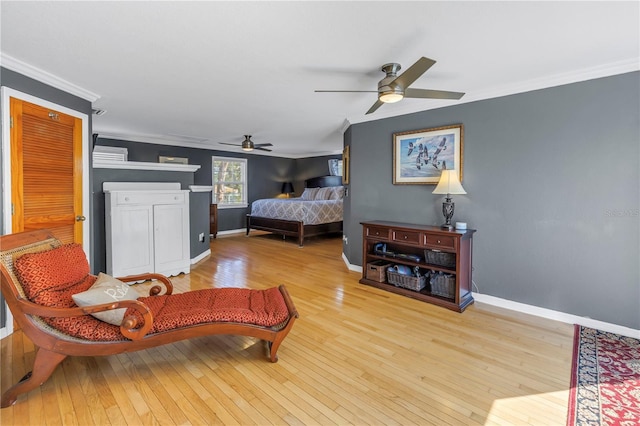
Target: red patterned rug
[605, 379]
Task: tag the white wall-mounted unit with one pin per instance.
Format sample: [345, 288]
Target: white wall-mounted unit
[147, 228]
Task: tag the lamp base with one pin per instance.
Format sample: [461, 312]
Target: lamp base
[448, 227]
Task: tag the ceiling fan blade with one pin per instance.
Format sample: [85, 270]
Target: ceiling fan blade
[232, 144]
[413, 72]
[433, 94]
[262, 149]
[262, 144]
[375, 106]
[346, 91]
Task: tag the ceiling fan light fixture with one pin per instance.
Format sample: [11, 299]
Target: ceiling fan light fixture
[247, 143]
[391, 97]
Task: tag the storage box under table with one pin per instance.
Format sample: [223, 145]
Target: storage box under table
[406, 281]
[377, 270]
[443, 285]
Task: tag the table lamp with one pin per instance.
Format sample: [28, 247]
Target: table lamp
[287, 188]
[448, 184]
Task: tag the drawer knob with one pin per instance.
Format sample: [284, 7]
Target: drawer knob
[377, 233]
[438, 241]
[405, 237]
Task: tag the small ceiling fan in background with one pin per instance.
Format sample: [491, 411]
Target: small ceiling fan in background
[394, 88]
[248, 145]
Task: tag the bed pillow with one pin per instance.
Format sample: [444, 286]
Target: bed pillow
[309, 194]
[106, 289]
[324, 193]
[337, 193]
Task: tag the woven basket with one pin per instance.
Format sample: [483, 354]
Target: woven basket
[377, 271]
[443, 285]
[440, 258]
[406, 281]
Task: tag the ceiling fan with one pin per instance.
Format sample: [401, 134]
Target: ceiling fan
[394, 88]
[248, 145]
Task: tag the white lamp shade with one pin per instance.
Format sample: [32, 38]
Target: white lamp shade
[449, 183]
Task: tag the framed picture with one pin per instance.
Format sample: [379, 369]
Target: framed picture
[345, 165]
[335, 167]
[419, 156]
[173, 160]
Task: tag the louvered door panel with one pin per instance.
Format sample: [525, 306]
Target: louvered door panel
[50, 182]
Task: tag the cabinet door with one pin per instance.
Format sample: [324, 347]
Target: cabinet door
[171, 234]
[131, 234]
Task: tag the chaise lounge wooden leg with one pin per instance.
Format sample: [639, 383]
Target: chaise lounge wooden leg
[44, 364]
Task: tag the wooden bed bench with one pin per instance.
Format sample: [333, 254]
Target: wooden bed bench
[40, 278]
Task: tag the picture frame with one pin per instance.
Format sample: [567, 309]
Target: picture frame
[345, 165]
[172, 160]
[335, 167]
[419, 156]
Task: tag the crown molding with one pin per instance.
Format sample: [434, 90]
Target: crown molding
[13, 64]
[600, 71]
[191, 142]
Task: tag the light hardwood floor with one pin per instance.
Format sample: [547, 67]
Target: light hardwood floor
[357, 355]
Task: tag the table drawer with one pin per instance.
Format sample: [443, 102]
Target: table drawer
[441, 241]
[377, 232]
[410, 237]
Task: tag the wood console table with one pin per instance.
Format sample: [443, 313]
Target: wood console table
[417, 246]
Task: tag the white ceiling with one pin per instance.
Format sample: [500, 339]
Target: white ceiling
[199, 73]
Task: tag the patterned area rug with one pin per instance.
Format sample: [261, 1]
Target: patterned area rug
[605, 379]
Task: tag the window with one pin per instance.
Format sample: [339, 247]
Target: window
[230, 182]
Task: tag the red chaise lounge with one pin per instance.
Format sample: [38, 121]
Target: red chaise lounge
[40, 278]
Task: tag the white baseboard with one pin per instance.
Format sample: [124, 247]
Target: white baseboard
[233, 231]
[538, 311]
[201, 256]
[351, 267]
[556, 315]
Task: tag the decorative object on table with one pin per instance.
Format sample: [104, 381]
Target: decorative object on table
[605, 378]
[420, 156]
[345, 165]
[448, 184]
[461, 225]
[287, 189]
[335, 167]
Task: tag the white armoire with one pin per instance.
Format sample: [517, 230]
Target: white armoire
[146, 228]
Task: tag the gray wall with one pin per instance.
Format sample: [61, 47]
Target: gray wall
[552, 181]
[35, 88]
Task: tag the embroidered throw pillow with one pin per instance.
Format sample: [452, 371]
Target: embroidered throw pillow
[106, 289]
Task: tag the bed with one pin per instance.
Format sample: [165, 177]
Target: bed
[316, 212]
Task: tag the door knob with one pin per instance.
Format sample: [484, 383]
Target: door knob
[80, 218]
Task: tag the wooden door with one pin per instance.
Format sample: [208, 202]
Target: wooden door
[46, 171]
